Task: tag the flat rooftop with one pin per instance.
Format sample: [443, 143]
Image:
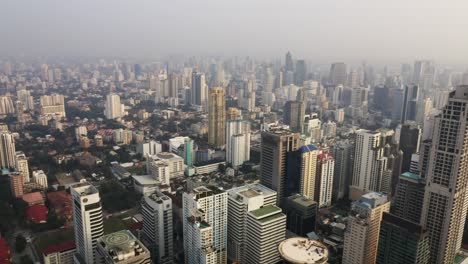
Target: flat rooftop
[266, 211]
[303, 250]
[84, 188]
[122, 245]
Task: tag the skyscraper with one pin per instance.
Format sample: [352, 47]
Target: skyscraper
[16, 184]
[122, 247]
[114, 109]
[300, 73]
[217, 117]
[25, 97]
[7, 150]
[189, 152]
[237, 142]
[301, 214]
[338, 74]
[410, 103]
[343, 152]
[362, 231]
[265, 229]
[276, 144]
[88, 222]
[402, 241]
[205, 225]
[294, 112]
[445, 202]
[157, 231]
[409, 197]
[242, 200]
[410, 137]
[288, 62]
[199, 91]
[324, 179]
[22, 165]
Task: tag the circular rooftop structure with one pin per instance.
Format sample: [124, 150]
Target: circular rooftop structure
[299, 250]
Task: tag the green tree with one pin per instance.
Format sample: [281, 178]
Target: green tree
[26, 260]
[20, 243]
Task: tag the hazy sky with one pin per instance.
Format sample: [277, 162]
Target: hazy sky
[327, 30]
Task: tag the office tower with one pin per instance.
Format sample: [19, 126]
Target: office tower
[114, 108]
[16, 184]
[24, 96]
[269, 80]
[313, 128]
[398, 96]
[53, 105]
[6, 105]
[300, 73]
[199, 91]
[88, 223]
[265, 228]
[205, 211]
[122, 247]
[409, 197]
[402, 241]
[302, 171]
[22, 166]
[382, 98]
[160, 171]
[354, 79]
[410, 103]
[81, 131]
[338, 74]
[233, 114]
[217, 117]
[288, 62]
[276, 144]
[423, 75]
[237, 142]
[157, 230]
[7, 150]
[294, 112]
[343, 152]
[173, 86]
[301, 213]
[363, 227]
[324, 179]
[424, 108]
[359, 102]
[242, 200]
[410, 137]
[188, 152]
[445, 203]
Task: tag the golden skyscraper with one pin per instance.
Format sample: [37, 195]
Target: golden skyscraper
[217, 117]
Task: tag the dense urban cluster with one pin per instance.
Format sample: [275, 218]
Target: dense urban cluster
[213, 160]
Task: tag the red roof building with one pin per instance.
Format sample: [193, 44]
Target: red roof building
[33, 198]
[5, 252]
[37, 213]
[61, 203]
[60, 253]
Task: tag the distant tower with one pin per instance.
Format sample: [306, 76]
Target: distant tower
[199, 91]
[324, 179]
[294, 112]
[16, 184]
[237, 142]
[300, 73]
[205, 225]
[217, 117]
[302, 171]
[22, 165]
[362, 230]
[410, 103]
[156, 209]
[276, 144]
[445, 200]
[288, 63]
[410, 138]
[7, 150]
[114, 109]
[338, 74]
[343, 153]
[88, 222]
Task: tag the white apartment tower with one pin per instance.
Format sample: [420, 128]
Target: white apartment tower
[237, 142]
[445, 200]
[205, 211]
[308, 170]
[156, 209]
[88, 222]
[363, 228]
[7, 150]
[114, 109]
[265, 230]
[325, 175]
[242, 200]
[22, 165]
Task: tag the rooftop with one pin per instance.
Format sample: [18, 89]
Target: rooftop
[303, 250]
[265, 211]
[206, 191]
[308, 148]
[411, 176]
[122, 245]
[302, 200]
[84, 188]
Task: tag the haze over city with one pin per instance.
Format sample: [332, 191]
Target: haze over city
[322, 31]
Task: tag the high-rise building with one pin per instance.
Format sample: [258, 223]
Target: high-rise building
[288, 62]
[157, 231]
[410, 137]
[409, 197]
[265, 228]
[445, 203]
[233, 114]
[301, 214]
[338, 74]
[189, 152]
[199, 91]
[324, 179]
[217, 117]
[88, 222]
[343, 152]
[300, 73]
[363, 227]
[237, 142]
[7, 150]
[276, 144]
[24, 96]
[410, 103]
[114, 108]
[122, 247]
[294, 112]
[53, 105]
[205, 211]
[16, 184]
[6, 105]
[302, 171]
[22, 165]
[242, 200]
[402, 241]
